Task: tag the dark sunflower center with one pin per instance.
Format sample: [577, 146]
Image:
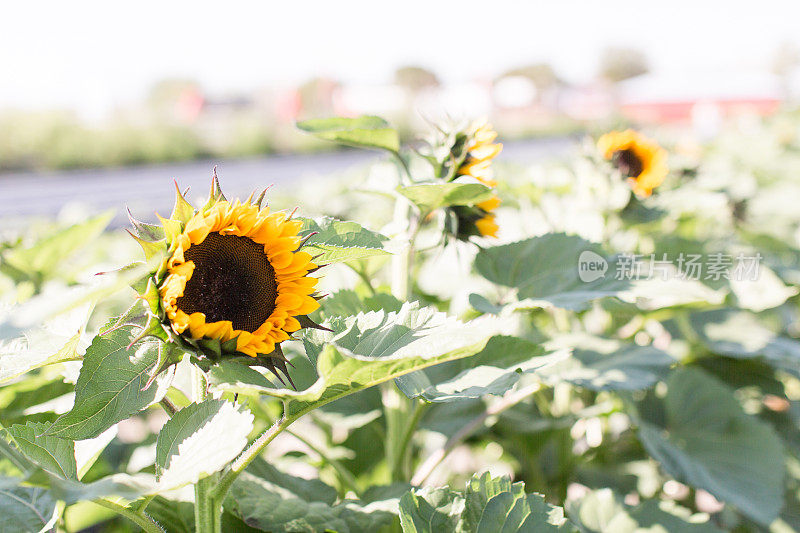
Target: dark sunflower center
[464, 221]
[232, 280]
[628, 163]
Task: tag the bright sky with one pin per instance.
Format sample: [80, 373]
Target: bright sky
[92, 53]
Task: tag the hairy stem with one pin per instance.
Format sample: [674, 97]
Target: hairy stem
[247, 457]
[401, 469]
[396, 409]
[510, 399]
[364, 277]
[405, 177]
[146, 523]
[140, 506]
[401, 261]
[399, 410]
[207, 509]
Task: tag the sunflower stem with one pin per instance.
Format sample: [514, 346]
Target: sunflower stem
[255, 448]
[401, 468]
[207, 508]
[361, 271]
[399, 411]
[146, 523]
[401, 261]
[405, 168]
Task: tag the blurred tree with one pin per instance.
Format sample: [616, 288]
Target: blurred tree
[541, 74]
[785, 61]
[415, 78]
[316, 97]
[169, 90]
[787, 57]
[175, 98]
[617, 64]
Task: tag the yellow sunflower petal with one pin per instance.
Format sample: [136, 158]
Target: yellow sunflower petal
[484, 152]
[485, 134]
[309, 306]
[487, 226]
[278, 241]
[281, 260]
[291, 325]
[649, 155]
[491, 204]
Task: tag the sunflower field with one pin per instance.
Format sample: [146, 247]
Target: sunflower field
[442, 341]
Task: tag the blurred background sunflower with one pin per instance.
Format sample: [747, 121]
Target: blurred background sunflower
[639, 159]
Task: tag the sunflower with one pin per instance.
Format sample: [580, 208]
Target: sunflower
[233, 280]
[638, 158]
[478, 220]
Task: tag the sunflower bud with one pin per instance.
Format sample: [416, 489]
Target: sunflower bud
[469, 152]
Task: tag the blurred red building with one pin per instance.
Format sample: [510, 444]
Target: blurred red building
[663, 98]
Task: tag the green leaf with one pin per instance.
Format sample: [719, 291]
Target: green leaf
[702, 437]
[109, 387]
[338, 241]
[347, 302]
[71, 490]
[18, 358]
[46, 255]
[430, 510]
[765, 292]
[312, 490]
[53, 454]
[602, 511]
[199, 440]
[125, 486]
[266, 498]
[431, 196]
[739, 334]
[14, 465]
[41, 393]
[497, 505]
[606, 364]
[489, 505]
[18, 320]
[657, 293]
[376, 347]
[57, 340]
[365, 131]
[494, 370]
[178, 517]
[413, 331]
[779, 255]
[637, 212]
[25, 509]
[482, 304]
[238, 377]
[544, 271]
